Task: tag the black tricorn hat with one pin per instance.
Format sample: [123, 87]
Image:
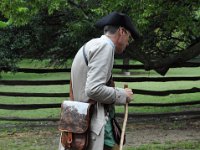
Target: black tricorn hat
[118, 19]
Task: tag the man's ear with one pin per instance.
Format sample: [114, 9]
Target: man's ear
[120, 31]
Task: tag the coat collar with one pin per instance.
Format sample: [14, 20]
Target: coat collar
[107, 39]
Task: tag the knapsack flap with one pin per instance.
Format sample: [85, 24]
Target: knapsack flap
[74, 116]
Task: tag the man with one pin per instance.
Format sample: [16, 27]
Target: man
[92, 69]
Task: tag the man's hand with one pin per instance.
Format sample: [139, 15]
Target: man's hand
[129, 94]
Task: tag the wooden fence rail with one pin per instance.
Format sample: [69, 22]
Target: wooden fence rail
[33, 82]
[136, 91]
[19, 94]
[117, 79]
[33, 70]
[121, 115]
[154, 79]
[58, 105]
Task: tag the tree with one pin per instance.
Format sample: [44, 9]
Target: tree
[56, 31]
[60, 27]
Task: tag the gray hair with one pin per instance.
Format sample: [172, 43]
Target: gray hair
[109, 29]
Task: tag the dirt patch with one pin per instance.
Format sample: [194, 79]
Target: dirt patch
[147, 136]
[139, 133]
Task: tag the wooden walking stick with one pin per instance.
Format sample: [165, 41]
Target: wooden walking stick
[124, 123]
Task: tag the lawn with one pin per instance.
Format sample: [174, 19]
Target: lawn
[35, 136]
[14, 138]
[138, 98]
[184, 145]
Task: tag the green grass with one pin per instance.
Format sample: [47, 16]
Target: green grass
[28, 63]
[155, 86]
[46, 138]
[29, 138]
[34, 76]
[16, 135]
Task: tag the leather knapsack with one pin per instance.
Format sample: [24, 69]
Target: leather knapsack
[75, 124]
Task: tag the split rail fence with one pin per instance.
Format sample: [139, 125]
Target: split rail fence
[193, 113]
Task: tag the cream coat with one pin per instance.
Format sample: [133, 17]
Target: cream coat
[90, 82]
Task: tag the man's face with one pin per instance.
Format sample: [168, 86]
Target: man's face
[123, 40]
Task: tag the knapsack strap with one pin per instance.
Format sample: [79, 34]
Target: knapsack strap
[84, 54]
[71, 91]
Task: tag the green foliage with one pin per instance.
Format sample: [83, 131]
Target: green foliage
[22, 11]
[7, 54]
[3, 24]
[13, 43]
[56, 29]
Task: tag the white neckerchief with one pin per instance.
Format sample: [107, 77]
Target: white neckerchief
[108, 40]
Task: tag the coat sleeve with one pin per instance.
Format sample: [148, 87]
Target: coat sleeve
[100, 63]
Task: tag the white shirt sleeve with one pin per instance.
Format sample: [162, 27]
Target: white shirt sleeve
[100, 63]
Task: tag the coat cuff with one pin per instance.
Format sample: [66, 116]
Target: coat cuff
[120, 96]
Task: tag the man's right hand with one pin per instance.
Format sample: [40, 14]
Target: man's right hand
[129, 95]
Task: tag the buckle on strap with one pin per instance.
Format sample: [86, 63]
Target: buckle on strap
[69, 138]
[66, 139]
